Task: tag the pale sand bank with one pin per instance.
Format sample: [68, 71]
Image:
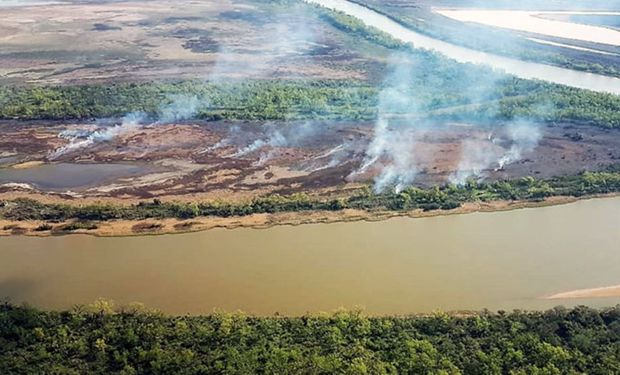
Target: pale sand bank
[121, 228]
[604, 292]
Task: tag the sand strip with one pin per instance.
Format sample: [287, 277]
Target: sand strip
[609, 291]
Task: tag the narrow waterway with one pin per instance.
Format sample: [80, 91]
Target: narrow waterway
[519, 68]
[502, 260]
[72, 176]
[535, 22]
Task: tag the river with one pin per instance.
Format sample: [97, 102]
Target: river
[501, 260]
[535, 22]
[519, 68]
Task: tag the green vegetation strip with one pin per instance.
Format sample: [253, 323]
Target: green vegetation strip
[97, 340]
[458, 97]
[438, 198]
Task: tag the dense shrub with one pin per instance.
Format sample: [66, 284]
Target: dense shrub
[96, 339]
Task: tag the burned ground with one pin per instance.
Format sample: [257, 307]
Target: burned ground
[243, 159]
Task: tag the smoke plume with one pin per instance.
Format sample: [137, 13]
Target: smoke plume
[524, 137]
[393, 148]
[180, 107]
[81, 140]
[477, 155]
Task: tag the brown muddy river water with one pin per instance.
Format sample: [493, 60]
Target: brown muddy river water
[502, 260]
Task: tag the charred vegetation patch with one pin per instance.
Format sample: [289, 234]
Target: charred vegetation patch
[198, 40]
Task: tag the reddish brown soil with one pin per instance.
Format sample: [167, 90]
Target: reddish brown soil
[193, 168]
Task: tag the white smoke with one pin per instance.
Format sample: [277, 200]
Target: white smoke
[476, 158]
[180, 107]
[130, 123]
[284, 35]
[524, 137]
[74, 133]
[233, 131]
[331, 158]
[336, 150]
[273, 137]
[395, 149]
[479, 156]
[273, 140]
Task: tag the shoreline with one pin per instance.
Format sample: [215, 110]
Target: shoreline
[600, 292]
[131, 228]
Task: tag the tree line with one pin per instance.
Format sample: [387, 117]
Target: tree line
[100, 339]
[453, 96]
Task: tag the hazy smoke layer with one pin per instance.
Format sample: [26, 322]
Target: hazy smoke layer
[524, 137]
[285, 34]
[476, 157]
[479, 156]
[274, 139]
[394, 155]
[276, 136]
[180, 108]
[332, 158]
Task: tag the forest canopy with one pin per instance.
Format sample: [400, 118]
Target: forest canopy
[99, 340]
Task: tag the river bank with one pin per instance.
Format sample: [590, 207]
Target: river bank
[602, 292]
[123, 228]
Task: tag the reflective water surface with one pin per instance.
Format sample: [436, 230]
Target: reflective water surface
[75, 176]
